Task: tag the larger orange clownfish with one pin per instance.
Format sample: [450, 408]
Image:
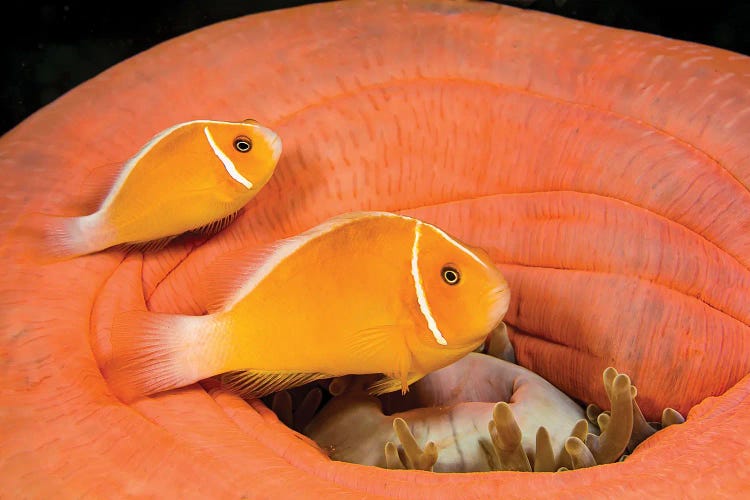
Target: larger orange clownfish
[369, 292]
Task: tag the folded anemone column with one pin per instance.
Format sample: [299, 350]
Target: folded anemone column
[605, 172]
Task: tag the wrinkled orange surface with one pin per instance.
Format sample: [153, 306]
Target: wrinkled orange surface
[605, 171]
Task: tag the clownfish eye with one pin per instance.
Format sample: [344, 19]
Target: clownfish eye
[243, 144]
[450, 275]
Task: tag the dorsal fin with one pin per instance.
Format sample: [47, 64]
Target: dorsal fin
[128, 166]
[233, 275]
[95, 186]
[227, 274]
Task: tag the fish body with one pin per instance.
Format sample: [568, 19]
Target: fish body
[369, 292]
[187, 177]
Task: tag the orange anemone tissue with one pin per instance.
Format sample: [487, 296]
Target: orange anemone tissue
[605, 172]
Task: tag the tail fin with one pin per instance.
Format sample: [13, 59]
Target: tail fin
[154, 352]
[63, 238]
[52, 238]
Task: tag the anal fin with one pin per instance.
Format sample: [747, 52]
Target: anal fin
[147, 246]
[216, 226]
[256, 384]
[159, 244]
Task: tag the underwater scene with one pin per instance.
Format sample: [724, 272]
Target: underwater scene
[360, 249]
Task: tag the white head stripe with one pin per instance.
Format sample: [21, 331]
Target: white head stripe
[228, 165]
[421, 297]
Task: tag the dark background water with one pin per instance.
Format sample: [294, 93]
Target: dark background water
[47, 48]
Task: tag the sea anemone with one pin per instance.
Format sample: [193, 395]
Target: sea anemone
[604, 171]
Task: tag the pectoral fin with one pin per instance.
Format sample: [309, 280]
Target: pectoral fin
[256, 384]
[389, 384]
[384, 347]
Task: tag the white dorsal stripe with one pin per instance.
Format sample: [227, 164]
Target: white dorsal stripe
[418, 286]
[287, 247]
[131, 163]
[458, 245]
[228, 164]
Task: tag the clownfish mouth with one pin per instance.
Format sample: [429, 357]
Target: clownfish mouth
[479, 414]
[500, 301]
[276, 146]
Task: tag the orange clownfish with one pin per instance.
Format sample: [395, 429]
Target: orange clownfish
[189, 176]
[368, 292]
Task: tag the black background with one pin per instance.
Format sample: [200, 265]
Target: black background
[47, 48]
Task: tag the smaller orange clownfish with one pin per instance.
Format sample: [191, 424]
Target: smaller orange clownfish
[192, 175]
[369, 292]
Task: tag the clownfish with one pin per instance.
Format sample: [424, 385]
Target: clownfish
[190, 176]
[363, 293]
